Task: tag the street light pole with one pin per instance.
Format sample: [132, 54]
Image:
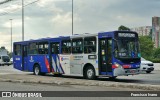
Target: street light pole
[72, 17]
[22, 20]
[11, 35]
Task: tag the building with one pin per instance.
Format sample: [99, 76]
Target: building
[156, 31]
[142, 31]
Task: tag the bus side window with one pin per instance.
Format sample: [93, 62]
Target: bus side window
[17, 49]
[46, 48]
[43, 48]
[66, 46]
[90, 45]
[33, 48]
[55, 48]
[25, 51]
[77, 45]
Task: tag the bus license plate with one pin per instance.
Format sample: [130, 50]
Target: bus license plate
[132, 71]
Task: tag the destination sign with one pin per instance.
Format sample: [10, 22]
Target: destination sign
[126, 35]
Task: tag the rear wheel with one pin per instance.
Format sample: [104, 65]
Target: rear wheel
[90, 73]
[113, 78]
[57, 75]
[37, 70]
[148, 71]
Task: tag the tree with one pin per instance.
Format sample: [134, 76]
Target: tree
[157, 53]
[147, 46]
[123, 28]
[10, 54]
[2, 48]
[150, 34]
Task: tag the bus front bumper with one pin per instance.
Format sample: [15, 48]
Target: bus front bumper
[126, 72]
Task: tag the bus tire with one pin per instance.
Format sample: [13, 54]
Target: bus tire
[148, 71]
[57, 75]
[37, 70]
[90, 73]
[113, 78]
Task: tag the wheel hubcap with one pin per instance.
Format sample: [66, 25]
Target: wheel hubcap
[36, 70]
[90, 73]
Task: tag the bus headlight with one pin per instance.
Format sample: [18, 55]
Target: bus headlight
[116, 65]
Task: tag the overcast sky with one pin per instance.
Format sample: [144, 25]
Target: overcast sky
[50, 18]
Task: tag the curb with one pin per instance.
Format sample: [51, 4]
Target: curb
[90, 83]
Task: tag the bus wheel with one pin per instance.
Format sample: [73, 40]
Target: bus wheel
[148, 71]
[57, 75]
[113, 78]
[90, 73]
[37, 70]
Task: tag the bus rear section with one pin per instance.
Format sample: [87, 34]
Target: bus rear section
[38, 57]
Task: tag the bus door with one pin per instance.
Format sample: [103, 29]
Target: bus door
[17, 58]
[54, 58]
[24, 58]
[105, 56]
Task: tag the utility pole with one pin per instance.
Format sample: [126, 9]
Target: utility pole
[22, 20]
[11, 35]
[72, 17]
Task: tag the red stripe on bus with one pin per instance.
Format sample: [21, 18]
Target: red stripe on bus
[47, 64]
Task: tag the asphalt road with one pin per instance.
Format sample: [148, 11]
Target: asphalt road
[7, 86]
[152, 78]
[4, 86]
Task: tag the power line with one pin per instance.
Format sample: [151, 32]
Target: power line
[3, 2]
[6, 13]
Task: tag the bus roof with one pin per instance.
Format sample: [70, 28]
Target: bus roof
[100, 34]
[43, 39]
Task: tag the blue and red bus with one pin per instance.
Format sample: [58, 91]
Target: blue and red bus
[108, 54]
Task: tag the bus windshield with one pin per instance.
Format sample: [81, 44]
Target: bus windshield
[127, 48]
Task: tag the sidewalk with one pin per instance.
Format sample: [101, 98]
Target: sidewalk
[50, 80]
